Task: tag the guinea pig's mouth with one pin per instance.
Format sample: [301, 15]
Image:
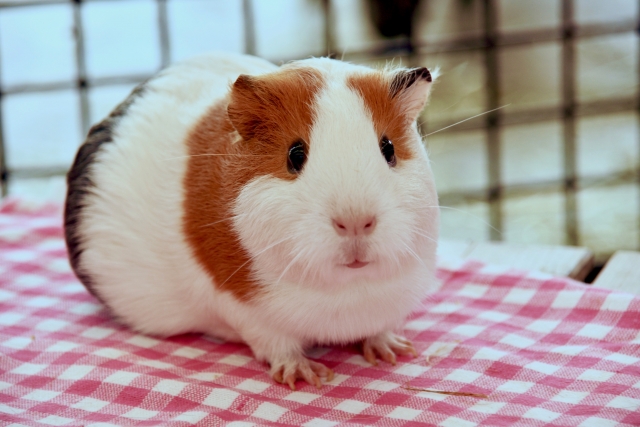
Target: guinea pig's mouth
[357, 264]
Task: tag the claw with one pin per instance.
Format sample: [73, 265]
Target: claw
[407, 350]
[405, 341]
[369, 355]
[329, 375]
[301, 368]
[278, 377]
[292, 382]
[387, 346]
[389, 357]
[413, 351]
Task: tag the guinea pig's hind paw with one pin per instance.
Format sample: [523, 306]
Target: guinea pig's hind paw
[300, 368]
[387, 345]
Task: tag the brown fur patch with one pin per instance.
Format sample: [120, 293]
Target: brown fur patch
[270, 113]
[387, 110]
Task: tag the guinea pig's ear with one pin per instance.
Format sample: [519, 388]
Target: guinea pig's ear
[245, 105]
[411, 87]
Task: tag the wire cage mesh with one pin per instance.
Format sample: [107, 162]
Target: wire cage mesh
[543, 155]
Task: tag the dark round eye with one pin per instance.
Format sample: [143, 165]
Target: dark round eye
[386, 148]
[297, 157]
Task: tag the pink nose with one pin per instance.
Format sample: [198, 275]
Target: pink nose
[359, 226]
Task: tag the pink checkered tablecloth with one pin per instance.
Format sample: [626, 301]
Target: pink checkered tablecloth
[529, 350]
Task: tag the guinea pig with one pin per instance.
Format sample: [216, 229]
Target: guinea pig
[283, 207]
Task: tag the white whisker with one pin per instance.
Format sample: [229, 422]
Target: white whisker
[468, 213]
[452, 105]
[424, 235]
[252, 257]
[222, 220]
[306, 270]
[288, 267]
[413, 254]
[465, 120]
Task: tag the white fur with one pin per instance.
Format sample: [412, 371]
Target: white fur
[144, 269]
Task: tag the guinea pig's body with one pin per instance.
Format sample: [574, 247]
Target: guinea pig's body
[290, 208]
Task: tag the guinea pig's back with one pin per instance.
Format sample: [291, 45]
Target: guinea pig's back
[123, 214]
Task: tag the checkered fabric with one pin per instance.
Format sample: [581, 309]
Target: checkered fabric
[543, 350]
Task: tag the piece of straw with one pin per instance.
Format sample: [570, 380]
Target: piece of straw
[449, 393]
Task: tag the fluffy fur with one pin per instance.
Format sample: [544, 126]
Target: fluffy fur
[150, 230]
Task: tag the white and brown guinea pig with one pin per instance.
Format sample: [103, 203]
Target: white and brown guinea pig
[283, 207]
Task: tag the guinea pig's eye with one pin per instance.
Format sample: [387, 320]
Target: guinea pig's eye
[386, 148]
[297, 157]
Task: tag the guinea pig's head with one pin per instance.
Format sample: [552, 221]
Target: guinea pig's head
[340, 189]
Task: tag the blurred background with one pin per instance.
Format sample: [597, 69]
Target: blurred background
[558, 164]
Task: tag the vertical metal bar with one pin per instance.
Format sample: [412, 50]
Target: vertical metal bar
[569, 121]
[413, 41]
[249, 28]
[4, 176]
[494, 193]
[81, 68]
[638, 121]
[329, 42]
[163, 32]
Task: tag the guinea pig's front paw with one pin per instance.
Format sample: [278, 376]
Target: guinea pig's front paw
[387, 345]
[287, 371]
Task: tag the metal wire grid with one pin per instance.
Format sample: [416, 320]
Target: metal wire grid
[489, 43]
